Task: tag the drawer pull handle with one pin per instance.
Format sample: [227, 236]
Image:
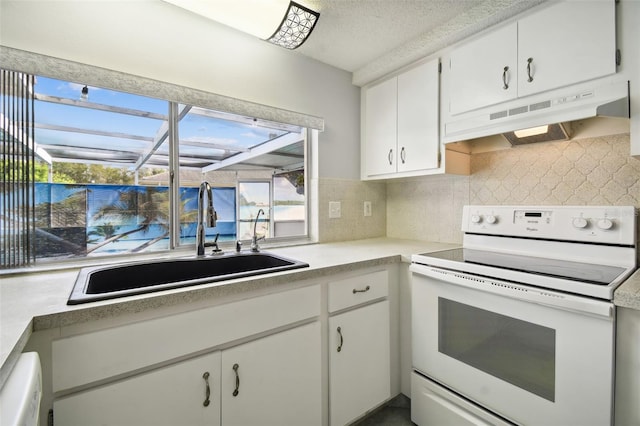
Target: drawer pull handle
[236, 391]
[367, 288]
[341, 339]
[389, 157]
[205, 376]
[530, 77]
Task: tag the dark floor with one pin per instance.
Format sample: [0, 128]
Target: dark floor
[396, 412]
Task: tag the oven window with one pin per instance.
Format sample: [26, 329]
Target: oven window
[516, 351]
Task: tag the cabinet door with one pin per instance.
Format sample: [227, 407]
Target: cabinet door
[173, 395]
[418, 106]
[568, 42]
[484, 71]
[277, 379]
[359, 362]
[380, 132]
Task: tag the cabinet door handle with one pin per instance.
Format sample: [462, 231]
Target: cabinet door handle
[341, 339]
[236, 391]
[207, 392]
[367, 288]
[530, 79]
[403, 155]
[504, 78]
[390, 157]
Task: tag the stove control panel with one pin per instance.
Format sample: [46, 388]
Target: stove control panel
[597, 224]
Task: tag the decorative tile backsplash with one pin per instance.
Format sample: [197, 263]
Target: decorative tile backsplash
[428, 208]
[352, 224]
[593, 171]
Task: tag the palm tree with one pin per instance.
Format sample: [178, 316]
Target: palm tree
[148, 205]
[106, 231]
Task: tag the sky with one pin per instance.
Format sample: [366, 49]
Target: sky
[207, 129]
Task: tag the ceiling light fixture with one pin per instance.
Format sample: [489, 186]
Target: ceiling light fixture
[84, 94]
[259, 18]
[296, 26]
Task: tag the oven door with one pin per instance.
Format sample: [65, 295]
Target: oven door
[529, 355]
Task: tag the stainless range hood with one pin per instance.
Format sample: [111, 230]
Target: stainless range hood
[605, 98]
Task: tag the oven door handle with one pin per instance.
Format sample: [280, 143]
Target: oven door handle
[527, 293]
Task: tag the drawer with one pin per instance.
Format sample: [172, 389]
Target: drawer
[354, 291]
[96, 356]
[432, 404]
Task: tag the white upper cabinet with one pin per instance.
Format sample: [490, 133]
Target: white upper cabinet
[562, 44]
[567, 43]
[418, 119]
[401, 123]
[484, 71]
[381, 107]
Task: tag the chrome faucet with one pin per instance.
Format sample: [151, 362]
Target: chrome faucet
[211, 217]
[254, 239]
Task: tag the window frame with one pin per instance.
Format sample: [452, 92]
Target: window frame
[36, 64]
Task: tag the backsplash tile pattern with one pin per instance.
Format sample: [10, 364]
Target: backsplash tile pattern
[352, 225]
[594, 171]
[427, 208]
[590, 171]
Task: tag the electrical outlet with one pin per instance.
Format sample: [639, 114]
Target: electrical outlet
[335, 209]
[367, 208]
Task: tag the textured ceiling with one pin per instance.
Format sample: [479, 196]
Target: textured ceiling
[374, 37]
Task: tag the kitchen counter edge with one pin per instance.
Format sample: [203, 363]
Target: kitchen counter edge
[627, 295]
[21, 312]
[37, 301]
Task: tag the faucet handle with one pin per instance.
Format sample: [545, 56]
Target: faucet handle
[214, 244]
[254, 243]
[238, 246]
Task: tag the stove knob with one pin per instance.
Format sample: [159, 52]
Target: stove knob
[476, 218]
[605, 224]
[491, 219]
[580, 222]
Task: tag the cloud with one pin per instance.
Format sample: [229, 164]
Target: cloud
[251, 135]
[212, 140]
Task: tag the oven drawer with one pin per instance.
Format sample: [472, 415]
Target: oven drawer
[359, 289]
[431, 404]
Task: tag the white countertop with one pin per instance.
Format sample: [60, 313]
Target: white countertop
[628, 294]
[38, 300]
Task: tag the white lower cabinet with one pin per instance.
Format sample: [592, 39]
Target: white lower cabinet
[162, 371]
[275, 380]
[178, 394]
[627, 367]
[359, 362]
[255, 361]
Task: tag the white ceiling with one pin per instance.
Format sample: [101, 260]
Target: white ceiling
[371, 38]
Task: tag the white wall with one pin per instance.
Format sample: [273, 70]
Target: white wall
[156, 40]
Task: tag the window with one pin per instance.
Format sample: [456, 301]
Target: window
[289, 208]
[254, 201]
[104, 161]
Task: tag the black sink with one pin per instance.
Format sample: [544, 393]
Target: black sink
[108, 282]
